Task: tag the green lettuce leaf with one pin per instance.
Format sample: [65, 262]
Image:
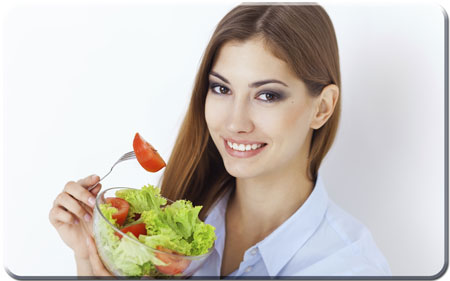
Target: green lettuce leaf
[167, 239]
[153, 222]
[105, 239]
[178, 228]
[203, 239]
[108, 210]
[147, 198]
[182, 217]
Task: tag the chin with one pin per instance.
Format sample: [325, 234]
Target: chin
[239, 171]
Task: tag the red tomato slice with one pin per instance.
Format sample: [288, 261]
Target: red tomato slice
[147, 155]
[136, 229]
[175, 265]
[123, 207]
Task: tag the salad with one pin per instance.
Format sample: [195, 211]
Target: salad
[161, 237]
[144, 215]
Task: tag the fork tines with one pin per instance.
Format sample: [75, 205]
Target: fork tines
[128, 155]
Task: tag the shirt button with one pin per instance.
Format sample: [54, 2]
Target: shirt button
[254, 251]
[248, 269]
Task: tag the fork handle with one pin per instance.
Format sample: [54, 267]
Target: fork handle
[92, 187]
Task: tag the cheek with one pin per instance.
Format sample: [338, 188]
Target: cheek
[287, 123]
[299, 118]
[213, 114]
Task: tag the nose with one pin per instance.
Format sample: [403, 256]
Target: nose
[239, 118]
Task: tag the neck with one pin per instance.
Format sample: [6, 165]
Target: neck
[261, 204]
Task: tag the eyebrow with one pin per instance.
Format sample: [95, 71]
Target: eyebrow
[252, 85]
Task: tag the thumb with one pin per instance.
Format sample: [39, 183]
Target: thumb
[98, 268]
[89, 181]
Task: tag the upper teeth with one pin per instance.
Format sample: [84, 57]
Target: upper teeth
[243, 147]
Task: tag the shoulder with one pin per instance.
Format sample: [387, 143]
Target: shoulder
[341, 246]
[346, 226]
[356, 242]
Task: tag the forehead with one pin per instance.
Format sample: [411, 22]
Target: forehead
[251, 58]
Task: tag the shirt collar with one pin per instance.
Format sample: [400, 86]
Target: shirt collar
[281, 245]
[216, 218]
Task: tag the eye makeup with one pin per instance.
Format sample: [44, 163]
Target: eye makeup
[268, 95]
[212, 86]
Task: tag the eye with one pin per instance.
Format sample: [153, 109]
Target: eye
[269, 96]
[219, 89]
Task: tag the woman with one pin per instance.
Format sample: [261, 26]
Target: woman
[263, 114]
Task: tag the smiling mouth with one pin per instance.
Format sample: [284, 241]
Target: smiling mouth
[244, 147]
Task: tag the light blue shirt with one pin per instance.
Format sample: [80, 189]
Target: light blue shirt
[319, 239]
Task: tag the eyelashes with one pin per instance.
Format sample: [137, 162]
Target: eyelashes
[264, 95]
[269, 96]
[220, 89]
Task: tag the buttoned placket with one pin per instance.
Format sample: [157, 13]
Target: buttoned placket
[251, 257]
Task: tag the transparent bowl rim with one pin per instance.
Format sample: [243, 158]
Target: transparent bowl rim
[97, 204]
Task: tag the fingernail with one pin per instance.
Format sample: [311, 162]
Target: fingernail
[87, 241]
[93, 177]
[76, 221]
[91, 201]
[87, 217]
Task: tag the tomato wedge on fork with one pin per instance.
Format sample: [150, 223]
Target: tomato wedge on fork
[147, 155]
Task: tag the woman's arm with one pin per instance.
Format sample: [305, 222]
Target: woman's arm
[84, 267]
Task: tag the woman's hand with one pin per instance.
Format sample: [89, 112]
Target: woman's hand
[98, 269]
[72, 208]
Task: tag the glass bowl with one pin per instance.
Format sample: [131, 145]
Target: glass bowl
[130, 257]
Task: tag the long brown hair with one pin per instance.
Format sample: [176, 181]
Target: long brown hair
[301, 35]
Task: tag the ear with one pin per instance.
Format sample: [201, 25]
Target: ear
[325, 104]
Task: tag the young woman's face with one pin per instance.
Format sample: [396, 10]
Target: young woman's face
[257, 111]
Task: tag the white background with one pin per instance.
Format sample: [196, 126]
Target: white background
[80, 79]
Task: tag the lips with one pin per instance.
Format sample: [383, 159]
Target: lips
[243, 149]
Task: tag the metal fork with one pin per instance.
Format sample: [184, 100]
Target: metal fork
[127, 156]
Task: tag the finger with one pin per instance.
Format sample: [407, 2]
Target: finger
[57, 201]
[73, 206]
[97, 266]
[59, 215]
[96, 189]
[87, 228]
[94, 192]
[88, 223]
[89, 181]
[80, 193]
